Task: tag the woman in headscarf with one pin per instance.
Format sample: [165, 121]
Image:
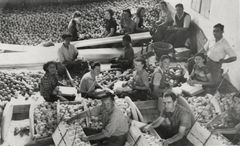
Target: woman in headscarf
[139, 20]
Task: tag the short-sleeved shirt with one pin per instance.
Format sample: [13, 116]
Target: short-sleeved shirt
[180, 117]
[88, 83]
[47, 85]
[159, 78]
[111, 24]
[128, 27]
[114, 124]
[200, 73]
[140, 78]
[67, 54]
[219, 50]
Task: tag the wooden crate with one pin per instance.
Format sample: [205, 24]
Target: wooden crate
[33, 133]
[148, 109]
[136, 114]
[136, 136]
[59, 104]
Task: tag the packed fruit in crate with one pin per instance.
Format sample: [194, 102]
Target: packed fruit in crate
[124, 106]
[75, 134]
[95, 123]
[225, 100]
[152, 140]
[45, 119]
[218, 139]
[68, 110]
[202, 108]
[90, 103]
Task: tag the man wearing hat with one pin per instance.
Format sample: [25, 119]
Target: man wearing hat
[67, 53]
[115, 123]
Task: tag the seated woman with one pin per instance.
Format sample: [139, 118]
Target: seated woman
[127, 24]
[139, 83]
[49, 83]
[200, 73]
[72, 26]
[110, 24]
[126, 61]
[165, 18]
[139, 20]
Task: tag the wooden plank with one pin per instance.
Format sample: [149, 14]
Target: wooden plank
[149, 104]
[6, 120]
[111, 40]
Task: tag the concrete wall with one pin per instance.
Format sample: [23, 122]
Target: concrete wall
[226, 12]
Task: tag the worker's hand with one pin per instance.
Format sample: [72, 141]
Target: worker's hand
[215, 131]
[147, 128]
[165, 142]
[85, 138]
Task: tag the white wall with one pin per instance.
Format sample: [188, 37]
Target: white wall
[226, 12]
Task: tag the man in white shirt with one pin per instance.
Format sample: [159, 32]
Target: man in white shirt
[217, 50]
[67, 53]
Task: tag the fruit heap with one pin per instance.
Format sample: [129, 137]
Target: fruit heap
[152, 140]
[34, 25]
[45, 119]
[124, 106]
[202, 108]
[23, 83]
[75, 134]
[68, 110]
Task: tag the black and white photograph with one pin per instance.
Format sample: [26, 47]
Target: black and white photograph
[119, 73]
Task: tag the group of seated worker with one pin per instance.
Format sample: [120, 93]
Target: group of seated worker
[231, 118]
[127, 24]
[172, 30]
[172, 125]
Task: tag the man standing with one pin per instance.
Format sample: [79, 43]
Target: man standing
[174, 123]
[67, 53]
[115, 123]
[216, 51]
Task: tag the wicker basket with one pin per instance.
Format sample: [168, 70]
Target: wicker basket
[162, 48]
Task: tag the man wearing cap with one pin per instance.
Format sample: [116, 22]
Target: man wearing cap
[67, 53]
[115, 123]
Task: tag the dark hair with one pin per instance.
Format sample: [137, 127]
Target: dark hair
[110, 11]
[163, 57]
[220, 26]
[139, 10]
[45, 66]
[179, 5]
[76, 14]
[106, 95]
[94, 64]
[127, 38]
[203, 57]
[143, 61]
[170, 94]
[128, 11]
[164, 3]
